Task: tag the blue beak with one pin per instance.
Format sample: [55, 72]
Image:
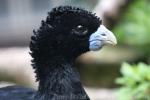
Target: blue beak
[100, 38]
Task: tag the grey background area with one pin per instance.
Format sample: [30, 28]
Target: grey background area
[18, 18]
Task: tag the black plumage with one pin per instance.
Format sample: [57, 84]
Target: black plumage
[62, 37]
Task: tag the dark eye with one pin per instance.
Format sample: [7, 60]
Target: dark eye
[79, 27]
[80, 30]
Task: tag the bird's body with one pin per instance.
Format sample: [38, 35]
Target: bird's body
[16, 93]
[66, 33]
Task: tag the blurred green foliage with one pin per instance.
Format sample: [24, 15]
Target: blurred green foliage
[134, 26]
[135, 82]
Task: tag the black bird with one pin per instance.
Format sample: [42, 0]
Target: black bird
[66, 33]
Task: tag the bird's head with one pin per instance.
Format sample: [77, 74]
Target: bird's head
[78, 31]
[70, 31]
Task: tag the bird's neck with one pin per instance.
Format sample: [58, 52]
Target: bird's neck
[61, 80]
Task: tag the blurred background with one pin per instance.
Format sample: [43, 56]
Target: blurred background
[128, 19]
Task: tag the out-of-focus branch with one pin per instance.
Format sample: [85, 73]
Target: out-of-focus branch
[110, 10]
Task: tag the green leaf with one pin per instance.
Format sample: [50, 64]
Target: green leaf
[135, 82]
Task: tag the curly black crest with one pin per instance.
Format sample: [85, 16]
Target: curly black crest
[59, 11]
[57, 37]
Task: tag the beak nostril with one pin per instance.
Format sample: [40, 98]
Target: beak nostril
[103, 34]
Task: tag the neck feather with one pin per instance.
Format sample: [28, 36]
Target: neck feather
[62, 81]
